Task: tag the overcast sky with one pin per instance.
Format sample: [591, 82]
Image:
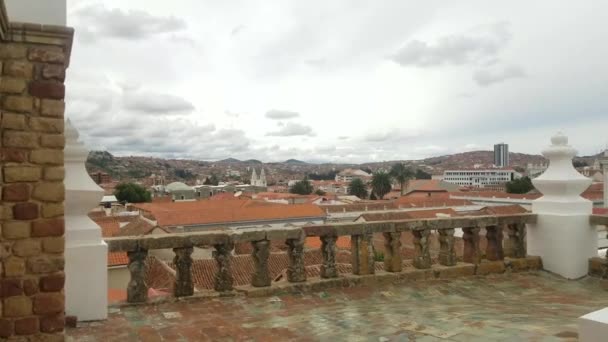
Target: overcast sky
[347, 81]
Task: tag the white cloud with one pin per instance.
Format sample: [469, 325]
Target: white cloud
[486, 77]
[291, 129]
[276, 114]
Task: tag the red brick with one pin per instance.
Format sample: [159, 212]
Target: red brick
[71, 321]
[6, 328]
[30, 286]
[47, 90]
[11, 287]
[27, 326]
[16, 192]
[49, 303]
[53, 227]
[52, 323]
[52, 283]
[14, 155]
[25, 211]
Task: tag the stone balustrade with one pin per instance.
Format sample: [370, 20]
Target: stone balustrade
[495, 227]
[598, 266]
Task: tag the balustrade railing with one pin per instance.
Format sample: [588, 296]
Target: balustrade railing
[361, 247]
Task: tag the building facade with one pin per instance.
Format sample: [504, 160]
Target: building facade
[480, 178]
[501, 155]
[258, 180]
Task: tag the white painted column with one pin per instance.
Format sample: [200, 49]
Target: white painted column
[562, 237]
[86, 254]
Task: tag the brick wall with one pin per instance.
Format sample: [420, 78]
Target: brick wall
[33, 60]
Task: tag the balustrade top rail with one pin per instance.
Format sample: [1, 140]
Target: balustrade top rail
[210, 237]
[599, 220]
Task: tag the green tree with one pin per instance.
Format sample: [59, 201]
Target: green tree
[402, 174]
[320, 192]
[381, 184]
[423, 175]
[212, 180]
[302, 187]
[357, 188]
[132, 193]
[520, 186]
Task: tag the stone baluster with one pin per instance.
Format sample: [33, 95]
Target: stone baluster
[447, 255]
[137, 290]
[223, 277]
[494, 251]
[392, 252]
[471, 253]
[260, 254]
[328, 249]
[296, 272]
[183, 267]
[422, 254]
[362, 254]
[515, 245]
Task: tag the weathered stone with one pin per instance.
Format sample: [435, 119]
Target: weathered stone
[392, 252]
[6, 328]
[25, 211]
[328, 249]
[534, 263]
[53, 244]
[494, 249]
[52, 140]
[18, 69]
[13, 174]
[52, 323]
[12, 51]
[56, 72]
[30, 286]
[447, 255]
[260, 254]
[362, 254]
[50, 210]
[53, 282]
[54, 173]
[27, 326]
[21, 104]
[20, 139]
[47, 90]
[17, 306]
[183, 272]
[320, 231]
[45, 264]
[52, 227]
[48, 125]
[223, 277]
[490, 267]
[47, 156]
[53, 108]
[422, 253]
[15, 155]
[455, 271]
[49, 303]
[27, 247]
[11, 287]
[14, 267]
[16, 192]
[515, 245]
[247, 235]
[137, 289]
[49, 192]
[283, 234]
[470, 237]
[47, 54]
[9, 85]
[16, 230]
[13, 121]
[295, 271]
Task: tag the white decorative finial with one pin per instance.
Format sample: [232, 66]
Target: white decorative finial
[71, 134]
[559, 139]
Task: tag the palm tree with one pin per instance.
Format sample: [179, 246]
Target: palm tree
[357, 188]
[402, 174]
[381, 184]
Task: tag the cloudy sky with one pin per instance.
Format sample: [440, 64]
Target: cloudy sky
[340, 80]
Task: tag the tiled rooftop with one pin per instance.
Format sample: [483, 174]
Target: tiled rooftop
[509, 307]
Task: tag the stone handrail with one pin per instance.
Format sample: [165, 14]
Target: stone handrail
[599, 220]
[361, 246]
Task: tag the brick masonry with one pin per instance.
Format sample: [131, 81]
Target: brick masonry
[33, 60]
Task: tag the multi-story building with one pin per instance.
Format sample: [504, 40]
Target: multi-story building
[348, 175]
[501, 155]
[480, 178]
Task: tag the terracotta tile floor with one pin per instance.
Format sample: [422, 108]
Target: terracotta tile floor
[515, 307]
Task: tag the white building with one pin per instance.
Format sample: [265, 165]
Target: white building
[348, 175]
[480, 178]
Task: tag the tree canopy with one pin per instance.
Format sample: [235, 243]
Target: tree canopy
[381, 184]
[357, 188]
[423, 175]
[401, 174]
[212, 180]
[520, 186]
[302, 187]
[132, 193]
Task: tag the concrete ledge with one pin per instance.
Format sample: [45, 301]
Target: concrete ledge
[598, 267]
[593, 327]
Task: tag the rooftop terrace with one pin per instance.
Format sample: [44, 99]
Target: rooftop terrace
[530, 306]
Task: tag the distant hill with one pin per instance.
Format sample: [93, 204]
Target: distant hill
[229, 160]
[253, 161]
[294, 161]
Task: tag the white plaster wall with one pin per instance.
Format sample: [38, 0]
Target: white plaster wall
[118, 277]
[593, 327]
[48, 12]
